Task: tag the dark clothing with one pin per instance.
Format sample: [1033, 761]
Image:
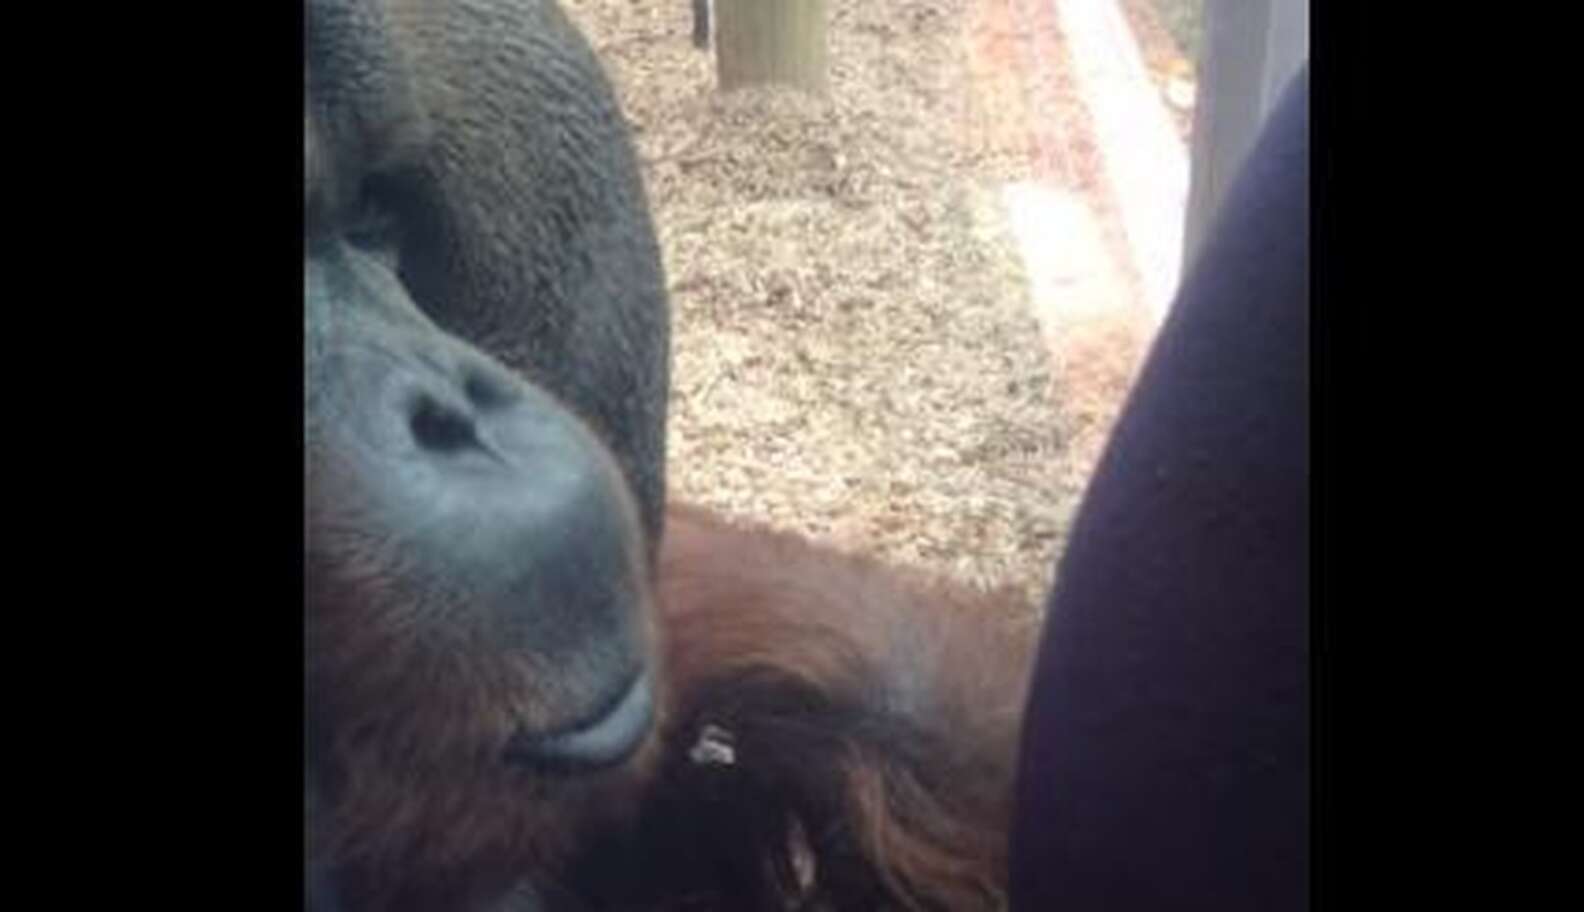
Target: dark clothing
[1165, 761]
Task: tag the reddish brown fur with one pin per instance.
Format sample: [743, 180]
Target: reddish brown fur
[877, 715]
[874, 719]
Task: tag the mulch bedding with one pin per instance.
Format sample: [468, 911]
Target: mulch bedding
[856, 355]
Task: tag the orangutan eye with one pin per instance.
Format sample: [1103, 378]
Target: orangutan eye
[372, 225]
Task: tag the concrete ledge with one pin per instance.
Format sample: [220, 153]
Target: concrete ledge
[1146, 164]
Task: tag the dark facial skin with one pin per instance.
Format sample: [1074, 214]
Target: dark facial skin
[486, 340]
[489, 725]
[454, 509]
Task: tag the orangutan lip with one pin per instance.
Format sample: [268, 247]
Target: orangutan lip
[605, 738]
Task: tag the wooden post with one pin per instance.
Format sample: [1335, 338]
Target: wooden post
[1251, 49]
[778, 41]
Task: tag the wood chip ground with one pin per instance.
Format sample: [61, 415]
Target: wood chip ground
[856, 355]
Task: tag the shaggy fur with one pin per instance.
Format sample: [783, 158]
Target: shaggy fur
[871, 723]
